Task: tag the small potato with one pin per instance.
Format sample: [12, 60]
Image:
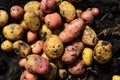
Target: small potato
[89, 36]
[22, 62]
[62, 74]
[7, 46]
[16, 12]
[53, 20]
[77, 68]
[88, 17]
[95, 11]
[79, 12]
[13, 31]
[103, 51]
[48, 6]
[116, 77]
[45, 56]
[44, 32]
[21, 48]
[26, 75]
[67, 10]
[38, 47]
[31, 36]
[23, 25]
[53, 47]
[87, 56]
[37, 64]
[3, 18]
[32, 21]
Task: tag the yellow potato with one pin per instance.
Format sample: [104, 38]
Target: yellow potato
[116, 77]
[23, 24]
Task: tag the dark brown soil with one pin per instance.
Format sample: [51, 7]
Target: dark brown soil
[109, 17]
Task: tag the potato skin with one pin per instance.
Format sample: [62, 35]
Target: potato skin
[72, 52]
[3, 18]
[13, 31]
[21, 48]
[72, 30]
[53, 47]
[31, 36]
[53, 20]
[16, 12]
[22, 62]
[116, 77]
[67, 10]
[37, 64]
[103, 51]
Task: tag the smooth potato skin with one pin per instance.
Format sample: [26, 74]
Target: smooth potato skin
[22, 62]
[72, 30]
[31, 36]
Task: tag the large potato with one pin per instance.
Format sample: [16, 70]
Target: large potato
[3, 18]
[53, 47]
[67, 10]
[103, 51]
[21, 48]
[32, 21]
[37, 64]
[13, 31]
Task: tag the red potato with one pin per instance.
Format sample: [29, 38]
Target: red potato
[95, 11]
[28, 76]
[22, 62]
[31, 36]
[53, 20]
[88, 17]
[72, 30]
[38, 47]
[48, 6]
[16, 12]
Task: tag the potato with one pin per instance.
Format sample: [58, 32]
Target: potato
[44, 32]
[89, 36]
[3, 18]
[32, 21]
[116, 77]
[72, 52]
[53, 47]
[16, 12]
[13, 31]
[26, 75]
[7, 46]
[31, 36]
[41, 15]
[53, 20]
[62, 74]
[21, 48]
[78, 12]
[45, 56]
[22, 62]
[37, 64]
[23, 25]
[48, 6]
[51, 75]
[103, 51]
[67, 10]
[32, 6]
[72, 30]
[77, 68]
[38, 47]
[87, 56]
[95, 11]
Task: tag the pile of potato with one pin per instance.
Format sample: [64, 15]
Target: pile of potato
[53, 38]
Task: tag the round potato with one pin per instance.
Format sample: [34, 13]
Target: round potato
[22, 62]
[31, 36]
[103, 51]
[7, 46]
[13, 31]
[53, 47]
[3, 18]
[21, 48]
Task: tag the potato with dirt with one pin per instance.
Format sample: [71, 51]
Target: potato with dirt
[53, 47]
[13, 31]
[102, 51]
[72, 52]
[67, 10]
[17, 12]
[7, 46]
[37, 64]
[72, 31]
[3, 18]
[32, 21]
[89, 36]
[21, 48]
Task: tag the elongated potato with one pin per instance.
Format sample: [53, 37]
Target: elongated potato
[32, 21]
[67, 10]
[72, 30]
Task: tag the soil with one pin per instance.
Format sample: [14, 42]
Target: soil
[108, 20]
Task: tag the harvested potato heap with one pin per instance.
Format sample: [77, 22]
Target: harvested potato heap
[53, 39]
